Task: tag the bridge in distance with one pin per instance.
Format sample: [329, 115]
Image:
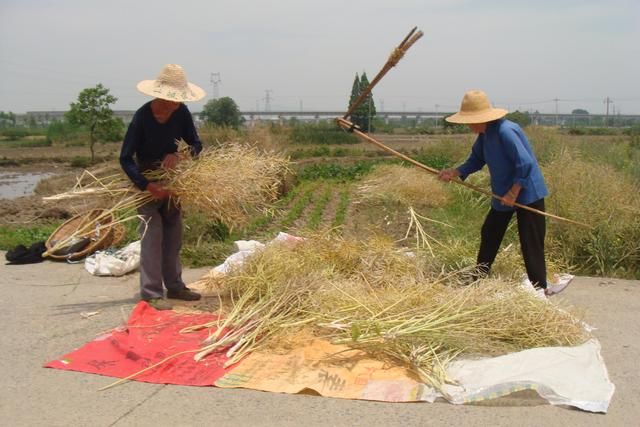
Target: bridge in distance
[539, 118]
[46, 117]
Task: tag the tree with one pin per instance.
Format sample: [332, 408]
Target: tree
[453, 127]
[366, 111]
[523, 119]
[7, 119]
[580, 111]
[368, 106]
[92, 110]
[112, 132]
[222, 112]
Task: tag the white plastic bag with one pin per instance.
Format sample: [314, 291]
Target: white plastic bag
[114, 263]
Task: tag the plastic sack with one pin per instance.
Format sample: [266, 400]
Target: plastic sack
[114, 262]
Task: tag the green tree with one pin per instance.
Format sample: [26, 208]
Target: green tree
[222, 112]
[7, 119]
[113, 131]
[93, 111]
[580, 111]
[365, 113]
[355, 91]
[368, 106]
[523, 119]
[59, 131]
[453, 127]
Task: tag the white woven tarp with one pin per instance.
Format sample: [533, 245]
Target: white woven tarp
[574, 376]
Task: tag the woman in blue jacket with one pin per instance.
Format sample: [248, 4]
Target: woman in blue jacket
[515, 176]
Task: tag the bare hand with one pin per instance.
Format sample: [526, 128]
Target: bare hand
[170, 161]
[448, 174]
[158, 191]
[509, 199]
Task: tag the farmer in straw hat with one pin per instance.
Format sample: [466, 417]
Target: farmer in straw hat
[515, 176]
[150, 143]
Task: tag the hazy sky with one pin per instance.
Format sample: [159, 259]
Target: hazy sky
[522, 53]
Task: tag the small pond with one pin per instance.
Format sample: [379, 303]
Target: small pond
[18, 184]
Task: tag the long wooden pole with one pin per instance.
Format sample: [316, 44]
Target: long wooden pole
[347, 125]
[394, 58]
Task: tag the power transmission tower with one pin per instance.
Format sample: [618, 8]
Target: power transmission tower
[556, 101]
[215, 82]
[607, 101]
[267, 100]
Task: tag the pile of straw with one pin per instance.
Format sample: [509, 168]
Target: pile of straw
[403, 185]
[372, 296]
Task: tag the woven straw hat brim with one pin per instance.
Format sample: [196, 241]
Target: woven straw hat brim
[170, 93]
[477, 116]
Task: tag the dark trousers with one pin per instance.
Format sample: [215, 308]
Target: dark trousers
[531, 230]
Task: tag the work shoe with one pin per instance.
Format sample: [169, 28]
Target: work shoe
[160, 304]
[184, 294]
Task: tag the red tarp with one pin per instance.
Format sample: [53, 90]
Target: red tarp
[149, 337]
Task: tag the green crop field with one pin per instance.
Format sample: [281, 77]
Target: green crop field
[341, 186]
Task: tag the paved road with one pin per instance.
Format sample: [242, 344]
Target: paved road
[40, 318]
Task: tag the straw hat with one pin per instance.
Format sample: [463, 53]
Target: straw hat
[475, 108]
[172, 85]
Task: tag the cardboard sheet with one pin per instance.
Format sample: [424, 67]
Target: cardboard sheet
[329, 370]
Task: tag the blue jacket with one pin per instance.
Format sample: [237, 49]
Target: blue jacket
[504, 148]
[150, 141]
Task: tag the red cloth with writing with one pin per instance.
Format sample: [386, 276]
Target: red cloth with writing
[149, 337]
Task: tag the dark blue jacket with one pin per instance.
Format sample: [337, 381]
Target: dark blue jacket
[147, 141]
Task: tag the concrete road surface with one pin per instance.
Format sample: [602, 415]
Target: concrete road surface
[41, 306]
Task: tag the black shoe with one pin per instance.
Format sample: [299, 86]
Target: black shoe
[184, 294]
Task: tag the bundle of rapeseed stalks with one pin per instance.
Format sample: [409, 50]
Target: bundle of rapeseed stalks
[375, 297]
[227, 183]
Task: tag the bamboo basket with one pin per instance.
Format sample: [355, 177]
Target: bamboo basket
[97, 225]
[117, 233]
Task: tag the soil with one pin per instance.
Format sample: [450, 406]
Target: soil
[54, 155]
[56, 160]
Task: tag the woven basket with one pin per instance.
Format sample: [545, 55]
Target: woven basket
[99, 238]
[117, 234]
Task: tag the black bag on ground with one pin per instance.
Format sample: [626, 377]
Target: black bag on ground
[21, 255]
